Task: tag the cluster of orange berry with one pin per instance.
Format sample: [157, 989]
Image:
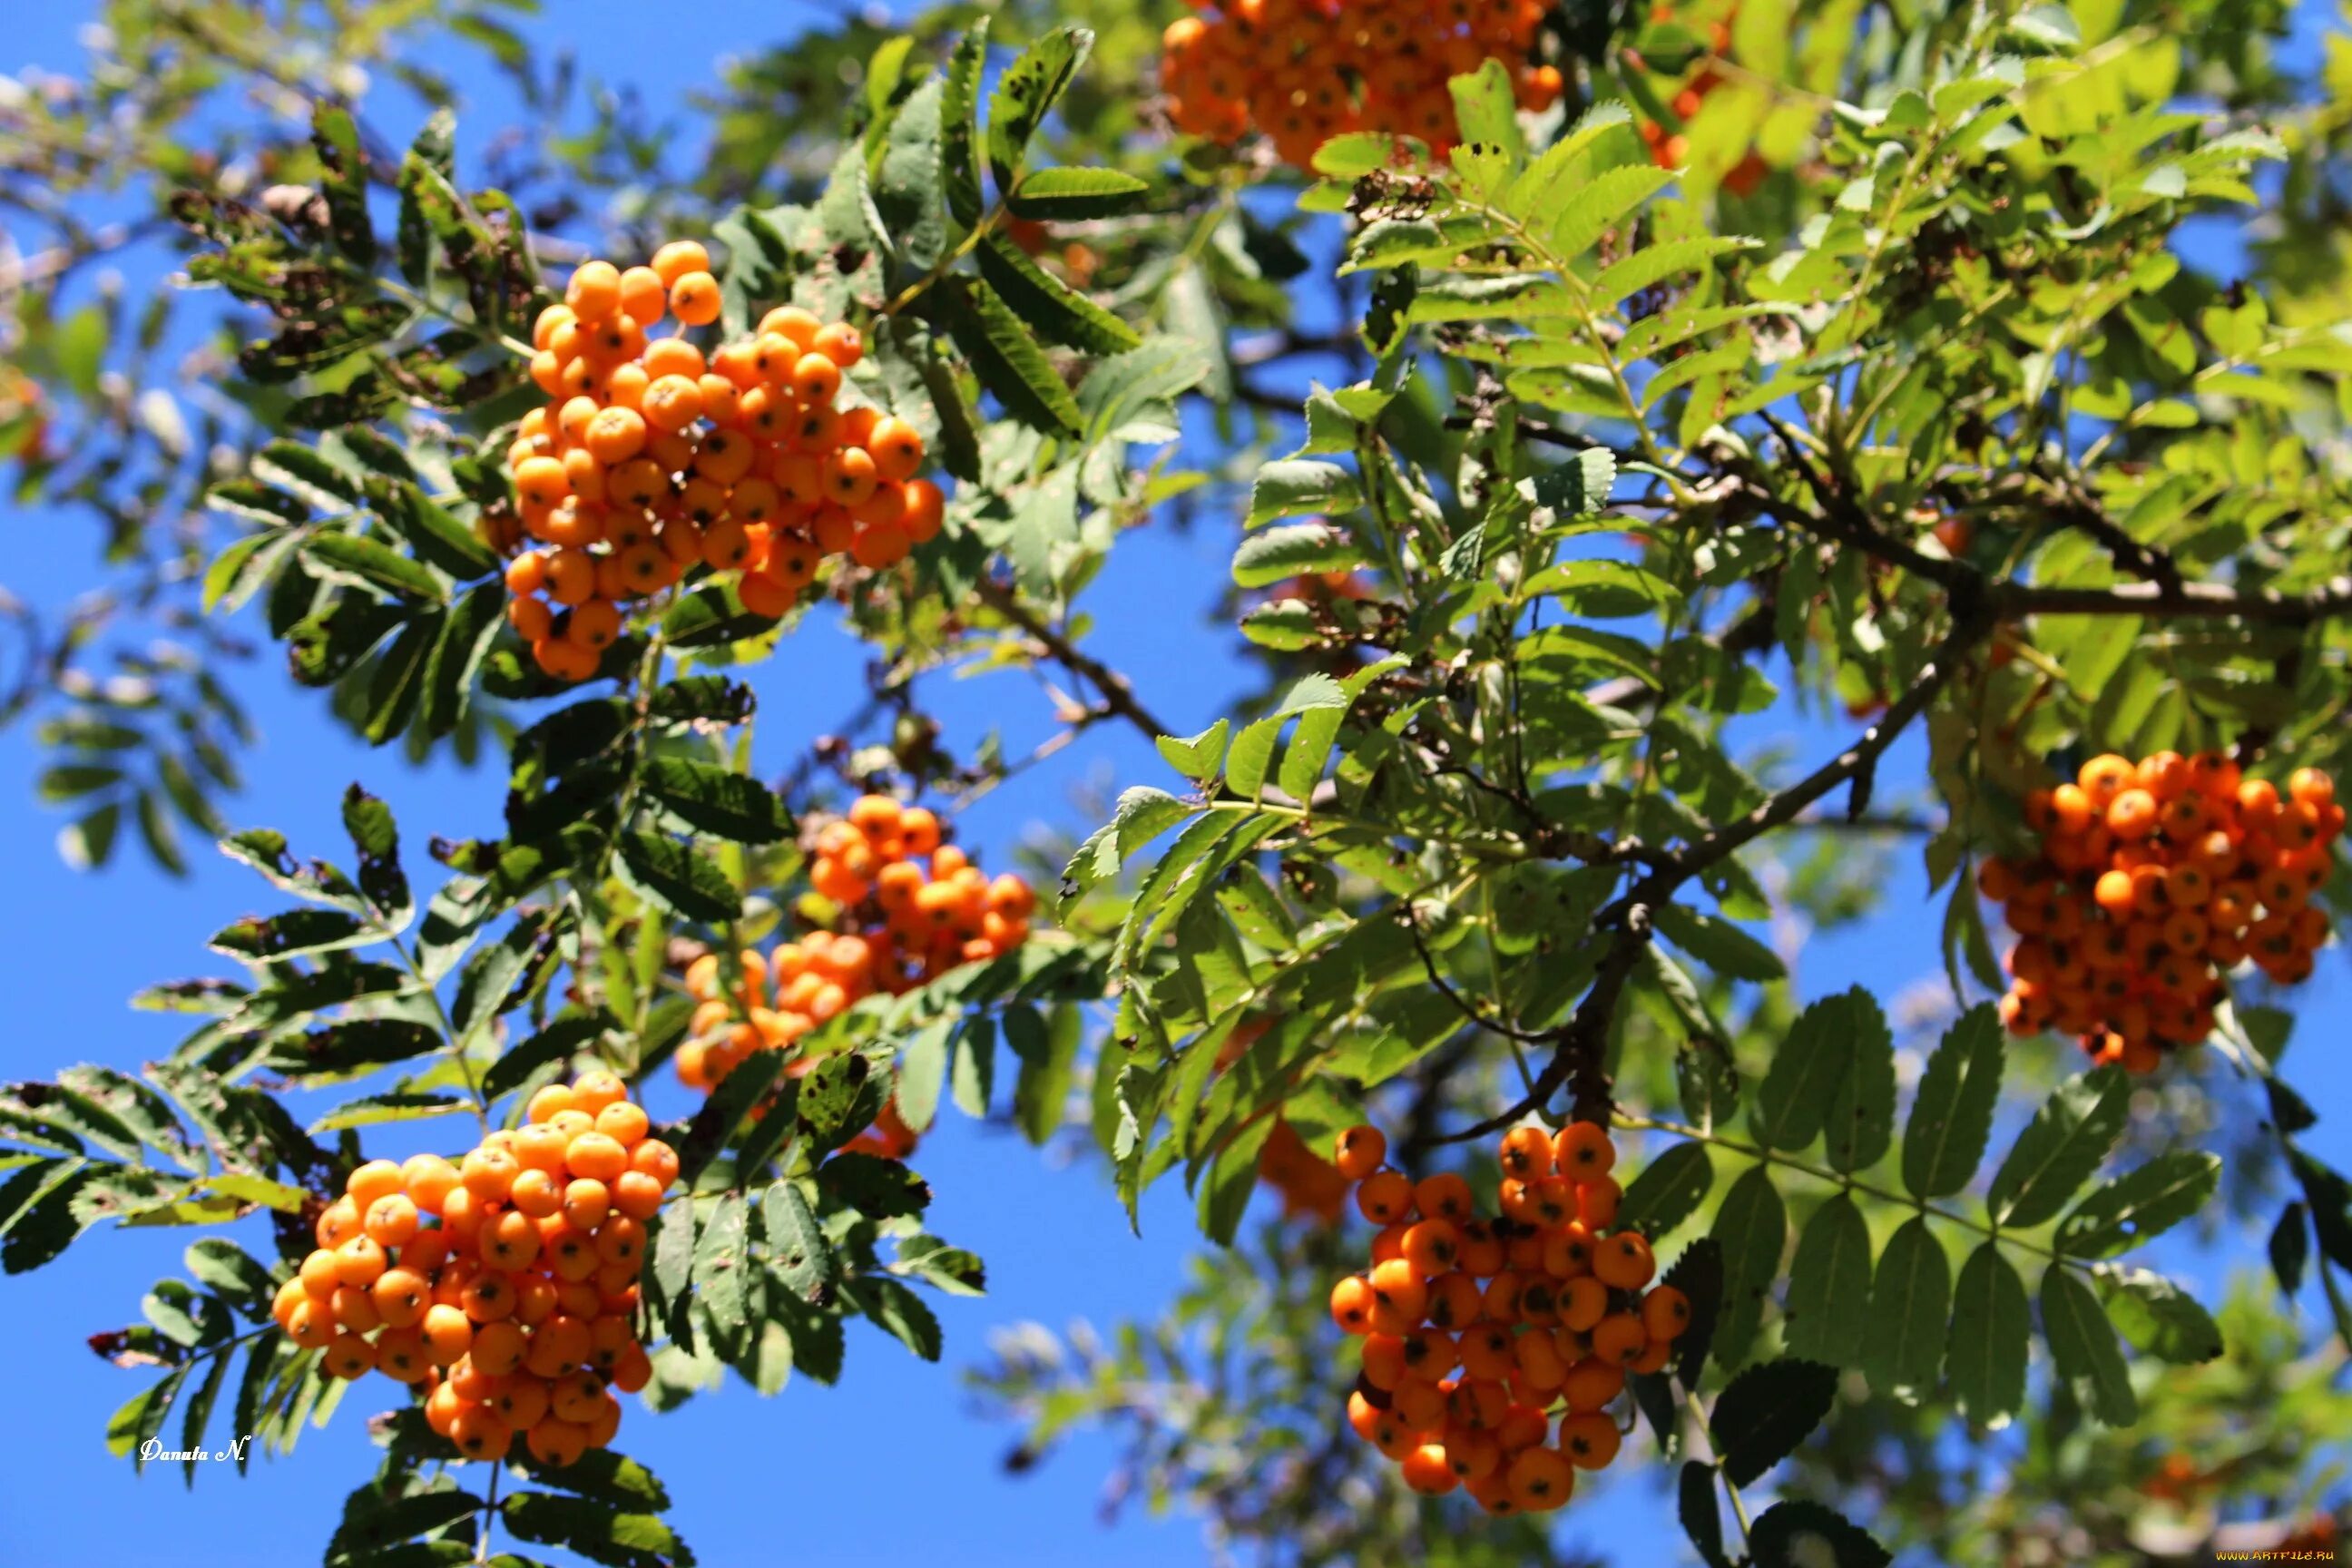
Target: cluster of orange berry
[2154, 880]
[1477, 1331]
[504, 1286]
[1303, 71]
[1670, 149]
[916, 908]
[651, 459]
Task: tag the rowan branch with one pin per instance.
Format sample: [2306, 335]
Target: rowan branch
[1580, 1044]
[1117, 696]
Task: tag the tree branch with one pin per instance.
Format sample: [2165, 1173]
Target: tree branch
[1580, 1042]
[1117, 696]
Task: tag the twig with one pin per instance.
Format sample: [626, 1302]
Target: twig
[1580, 1043]
[1117, 696]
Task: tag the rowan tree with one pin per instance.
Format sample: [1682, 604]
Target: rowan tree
[1685, 470]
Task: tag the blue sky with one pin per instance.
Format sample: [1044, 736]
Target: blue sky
[894, 1459]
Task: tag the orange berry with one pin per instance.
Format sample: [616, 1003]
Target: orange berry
[1360, 1152]
[1385, 1197]
[694, 298]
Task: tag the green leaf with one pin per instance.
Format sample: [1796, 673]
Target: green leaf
[2140, 1205]
[465, 640]
[438, 539]
[1293, 487]
[2160, 1318]
[1026, 94]
[1667, 1192]
[908, 192]
[1656, 263]
[2065, 1142]
[922, 1069]
[294, 932]
[1006, 357]
[1487, 109]
[898, 1312]
[2082, 1347]
[348, 557]
[1765, 1412]
[47, 1225]
[562, 1038]
[1602, 203]
[1910, 1305]
[1951, 1118]
[1717, 943]
[345, 180]
[1045, 302]
[1143, 814]
[877, 1188]
[715, 1124]
[717, 800]
[395, 1106]
[1041, 1094]
[1071, 196]
[1827, 1279]
[722, 1265]
[596, 1531]
[2290, 1247]
[678, 877]
[1859, 1125]
[1991, 1331]
[960, 123]
[1701, 1514]
[1199, 758]
[1294, 550]
[795, 1242]
[227, 1270]
[1752, 1227]
[1817, 1056]
[951, 1269]
[1806, 1535]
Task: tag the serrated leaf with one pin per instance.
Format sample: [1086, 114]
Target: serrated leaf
[1292, 488]
[2082, 1347]
[1717, 943]
[1752, 1227]
[960, 123]
[1985, 1362]
[2140, 1205]
[1026, 94]
[722, 1265]
[375, 1108]
[349, 557]
[1295, 550]
[2160, 1318]
[1199, 758]
[2066, 1140]
[1072, 196]
[1793, 1101]
[1799, 1534]
[717, 800]
[1058, 312]
[795, 1242]
[898, 1312]
[1910, 1308]
[1951, 1118]
[1008, 359]
[1830, 1274]
[1765, 1412]
[679, 877]
[1667, 1192]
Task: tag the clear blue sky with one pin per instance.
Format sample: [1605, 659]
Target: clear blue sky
[897, 1441]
